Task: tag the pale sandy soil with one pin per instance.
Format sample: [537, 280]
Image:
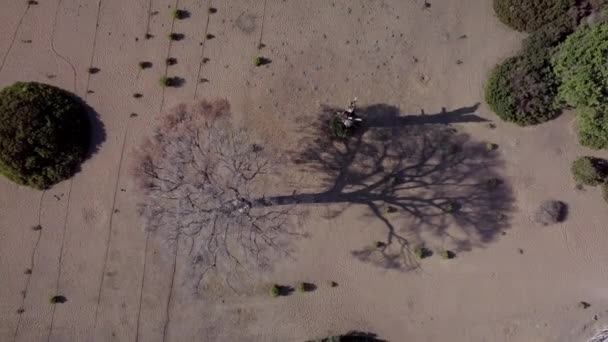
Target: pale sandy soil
[121, 284]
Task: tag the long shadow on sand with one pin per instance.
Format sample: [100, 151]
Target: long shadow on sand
[423, 181]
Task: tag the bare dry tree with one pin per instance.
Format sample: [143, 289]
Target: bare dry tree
[203, 180]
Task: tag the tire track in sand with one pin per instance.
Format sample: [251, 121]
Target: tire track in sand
[110, 226]
[62, 57]
[65, 220]
[10, 46]
[31, 267]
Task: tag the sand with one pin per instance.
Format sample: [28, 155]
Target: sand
[123, 284]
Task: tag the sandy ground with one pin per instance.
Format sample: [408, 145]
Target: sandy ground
[123, 284]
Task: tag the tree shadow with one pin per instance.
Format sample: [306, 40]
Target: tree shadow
[424, 182]
[386, 116]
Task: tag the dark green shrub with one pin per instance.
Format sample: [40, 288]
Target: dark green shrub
[530, 15]
[581, 64]
[523, 91]
[592, 128]
[44, 134]
[589, 171]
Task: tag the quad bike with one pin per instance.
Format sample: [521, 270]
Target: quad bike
[346, 120]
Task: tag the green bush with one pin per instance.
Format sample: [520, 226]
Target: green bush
[581, 64]
[531, 15]
[523, 90]
[588, 171]
[592, 128]
[275, 291]
[44, 134]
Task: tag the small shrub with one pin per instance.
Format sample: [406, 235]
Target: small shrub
[592, 128]
[37, 227]
[138, 95]
[175, 36]
[212, 10]
[550, 212]
[422, 252]
[171, 61]
[530, 15]
[333, 284]
[447, 254]
[451, 207]
[389, 209]
[588, 171]
[179, 14]
[275, 291]
[582, 66]
[58, 299]
[93, 70]
[306, 287]
[165, 81]
[145, 65]
[259, 61]
[605, 191]
[491, 146]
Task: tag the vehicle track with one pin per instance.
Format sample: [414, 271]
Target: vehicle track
[10, 46]
[62, 57]
[32, 265]
[65, 222]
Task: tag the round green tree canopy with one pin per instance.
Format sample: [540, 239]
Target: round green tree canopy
[44, 134]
